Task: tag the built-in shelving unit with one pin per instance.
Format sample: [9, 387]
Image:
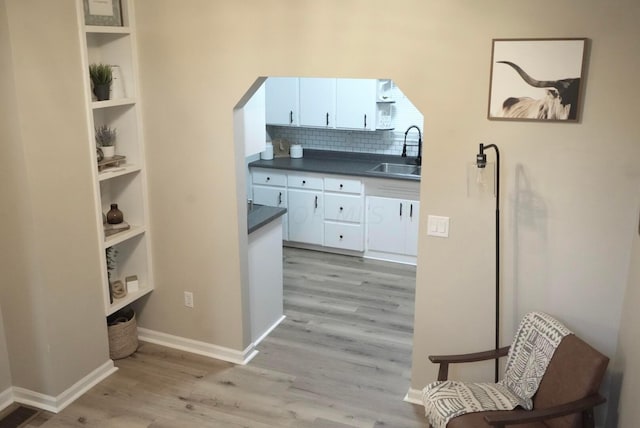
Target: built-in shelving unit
[125, 183]
[384, 105]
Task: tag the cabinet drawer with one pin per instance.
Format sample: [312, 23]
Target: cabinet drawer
[304, 182]
[343, 208]
[343, 185]
[270, 178]
[271, 196]
[345, 236]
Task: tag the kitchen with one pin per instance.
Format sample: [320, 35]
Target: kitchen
[343, 159]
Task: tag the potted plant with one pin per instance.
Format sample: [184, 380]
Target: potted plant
[106, 140]
[101, 78]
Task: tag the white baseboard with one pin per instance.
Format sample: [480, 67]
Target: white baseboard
[414, 396]
[198, 347]
[56, 404]
[6, 398]
[390, 257]
[269, 330]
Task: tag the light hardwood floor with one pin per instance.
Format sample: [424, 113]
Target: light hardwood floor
[342, 358]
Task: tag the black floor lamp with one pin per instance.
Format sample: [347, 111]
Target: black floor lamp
[481, 162]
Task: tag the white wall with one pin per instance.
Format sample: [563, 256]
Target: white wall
[50, 257]
[625, 364]
[6, 86]
[570, 190]
[5, 369]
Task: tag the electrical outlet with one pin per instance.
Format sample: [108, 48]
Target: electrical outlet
[188, 299]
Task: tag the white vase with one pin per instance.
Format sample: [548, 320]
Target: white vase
[108, 151]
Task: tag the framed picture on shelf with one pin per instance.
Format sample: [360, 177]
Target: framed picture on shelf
[103, 12]
[537, 79]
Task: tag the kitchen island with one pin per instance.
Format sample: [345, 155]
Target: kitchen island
[264, 225]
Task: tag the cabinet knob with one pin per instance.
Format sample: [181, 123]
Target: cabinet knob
[268, 178]
[341, 236]
[341, 208]
[341, 186]
[304, 182]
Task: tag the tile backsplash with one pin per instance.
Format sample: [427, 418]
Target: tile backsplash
[389, 142]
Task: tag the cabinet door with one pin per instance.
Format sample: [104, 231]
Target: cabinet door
[306, 223]
[385, 225]
[317, 102]
[271, 196]
[274, 197]
[282, 101]
[411, 227]
[356, 103]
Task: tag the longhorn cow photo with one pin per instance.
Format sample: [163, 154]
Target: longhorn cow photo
[536, 79]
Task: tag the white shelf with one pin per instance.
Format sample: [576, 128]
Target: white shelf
[120, 237]
[124, 185]
[129, 298]
[103, 29]
[118, 171]
[112, 103]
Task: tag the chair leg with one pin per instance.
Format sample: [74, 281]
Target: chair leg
[588, 419]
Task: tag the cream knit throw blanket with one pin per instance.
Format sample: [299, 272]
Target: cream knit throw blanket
[536, 340]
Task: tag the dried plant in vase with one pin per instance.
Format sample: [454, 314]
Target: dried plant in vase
[106, 140]
[101, 78]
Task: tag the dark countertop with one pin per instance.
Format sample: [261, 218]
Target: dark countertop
[334, 162]
[262, 215]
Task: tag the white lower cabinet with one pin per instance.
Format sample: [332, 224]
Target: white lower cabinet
[269, 188]
[330, 212]
[344, 213]
[344, 236]
[392, 225]
[306, 221]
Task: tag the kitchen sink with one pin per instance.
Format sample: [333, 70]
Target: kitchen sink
[396, 169]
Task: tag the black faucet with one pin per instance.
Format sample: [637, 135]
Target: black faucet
[404, 146]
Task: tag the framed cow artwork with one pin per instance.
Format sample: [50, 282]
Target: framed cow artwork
[537, 79]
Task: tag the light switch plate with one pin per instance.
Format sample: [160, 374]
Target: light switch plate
[438, 226]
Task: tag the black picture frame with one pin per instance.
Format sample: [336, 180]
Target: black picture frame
[537, 79]
[114, 19]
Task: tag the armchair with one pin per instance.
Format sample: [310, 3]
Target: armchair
[565, 397]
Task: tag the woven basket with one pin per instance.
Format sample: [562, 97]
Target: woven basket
[123, 338]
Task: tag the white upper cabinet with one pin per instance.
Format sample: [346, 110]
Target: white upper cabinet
[356, 104]
[249, 123]
[317, 102]
[282, 101]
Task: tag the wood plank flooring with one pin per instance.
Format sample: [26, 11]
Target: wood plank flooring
[341, 359]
